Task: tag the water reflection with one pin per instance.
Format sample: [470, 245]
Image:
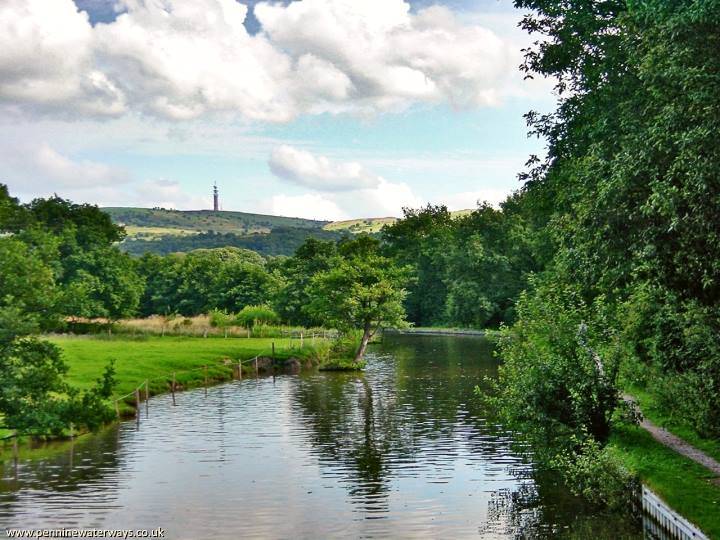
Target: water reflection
[402, 450]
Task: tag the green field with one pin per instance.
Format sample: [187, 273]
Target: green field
[357, 226]
[151, 233]
[156, 358]
[374, 225]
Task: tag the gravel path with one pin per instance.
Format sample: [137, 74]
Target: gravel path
[673, 442]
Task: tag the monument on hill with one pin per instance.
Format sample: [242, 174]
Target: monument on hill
[216, 198]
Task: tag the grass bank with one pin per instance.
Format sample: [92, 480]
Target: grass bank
[651, 410]
[686, 486]
[156, 358]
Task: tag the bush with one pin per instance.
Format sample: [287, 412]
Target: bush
[677, 355]
[561, 360]
[592, 472]
[221, 319]
[251, 316]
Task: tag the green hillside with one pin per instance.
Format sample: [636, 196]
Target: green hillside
[373, 225]
[357, 226]
[157, 221]
[162, 231]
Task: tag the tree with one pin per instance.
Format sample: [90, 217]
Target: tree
[421, 240]
[13, 216]
[101, 283]
[297, 272]
[361, 290]
[162, 277]
[558, 380]
[631, 178]
[90, 226]
[251, 316]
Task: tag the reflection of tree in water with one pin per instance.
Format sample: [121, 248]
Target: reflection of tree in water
[416, 405]
[89, 465]
[353, 431]
[417, 409]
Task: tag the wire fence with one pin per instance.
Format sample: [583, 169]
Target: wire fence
[143, 389]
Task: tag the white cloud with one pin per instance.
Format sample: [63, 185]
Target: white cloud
[471, 199]
[318, 172]
[309, 206]
[345, 188]
[388, 199]
[167, 194]
[47, 60]
[180, 60]
[41, 168]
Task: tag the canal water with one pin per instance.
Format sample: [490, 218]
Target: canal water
[403, 450]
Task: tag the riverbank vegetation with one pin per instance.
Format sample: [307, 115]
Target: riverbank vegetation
[602, 270]
[624, 223]
[157, 358]
[62, 271]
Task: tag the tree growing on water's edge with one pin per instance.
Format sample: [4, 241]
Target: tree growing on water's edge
[362, 290]
[35, 260]
[627, 200]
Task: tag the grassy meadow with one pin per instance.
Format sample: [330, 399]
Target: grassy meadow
[156, 358]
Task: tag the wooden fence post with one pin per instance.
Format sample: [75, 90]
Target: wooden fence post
[302, 336]
[137, 404]
[239, 370]
[147, 396]
[117, 408]
[256, 366]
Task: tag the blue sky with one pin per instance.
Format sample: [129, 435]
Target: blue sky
[286, 116]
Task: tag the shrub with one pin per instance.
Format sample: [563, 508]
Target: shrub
[251, 316]
[592, 472]
[561, 360]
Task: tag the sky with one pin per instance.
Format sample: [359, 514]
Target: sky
[327, 109]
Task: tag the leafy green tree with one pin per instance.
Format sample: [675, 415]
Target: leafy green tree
[101, 283]
[241, 284]
[558, 380]
[28, 293]
[162, 277]
[362, 290]
[631, 178]
[421, 240]
[90, 226]
[297, 272]
[13, 216]
[34, 262]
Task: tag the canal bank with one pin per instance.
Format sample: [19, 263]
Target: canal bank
[404, 449]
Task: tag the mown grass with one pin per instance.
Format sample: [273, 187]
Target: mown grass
[652, 411]
[156, 358]
[685, 485]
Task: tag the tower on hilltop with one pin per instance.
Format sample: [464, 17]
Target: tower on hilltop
[216, 198]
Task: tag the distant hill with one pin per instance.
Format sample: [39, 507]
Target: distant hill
[153, 222]
[279, 241]
[357, 226]
[163, 231]
[373, 225]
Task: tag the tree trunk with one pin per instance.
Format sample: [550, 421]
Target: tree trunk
[367, 334]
